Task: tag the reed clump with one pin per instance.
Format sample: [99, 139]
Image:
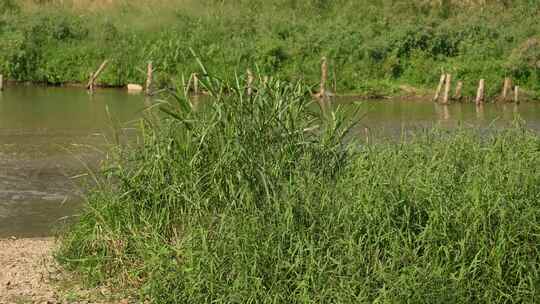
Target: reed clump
[261, 199]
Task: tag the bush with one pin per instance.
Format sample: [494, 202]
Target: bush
[257, 199]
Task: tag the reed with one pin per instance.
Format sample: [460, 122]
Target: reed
[265, 199]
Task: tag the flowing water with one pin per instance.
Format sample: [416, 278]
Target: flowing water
[50, 137]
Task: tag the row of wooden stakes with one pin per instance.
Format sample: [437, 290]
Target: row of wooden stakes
[193, 82]
[446, 82]
[440, 95]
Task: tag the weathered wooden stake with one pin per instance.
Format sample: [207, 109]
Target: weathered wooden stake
[480, 92]
[446, 113]
[516, 94]
[149, 78]
[480, 111]
[439, 87]
[448, 85]
[506, 88]
[459, 88]
[366, 131]
[250, 79]
[324, 77]
[91, 87]
[1, 82]
[93, 77]
[265, 81]
[195, 83]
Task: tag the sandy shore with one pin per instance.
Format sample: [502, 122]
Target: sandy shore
[29, 274]
[26, 271]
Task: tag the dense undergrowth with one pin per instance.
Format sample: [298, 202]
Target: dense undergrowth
[373, 46]
[261, 200]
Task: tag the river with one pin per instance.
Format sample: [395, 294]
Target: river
[49, 138]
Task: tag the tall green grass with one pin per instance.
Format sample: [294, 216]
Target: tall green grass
[259, 199]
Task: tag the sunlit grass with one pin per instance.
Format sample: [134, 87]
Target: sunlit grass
[259, 199]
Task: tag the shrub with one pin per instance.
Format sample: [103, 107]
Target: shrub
[259, 199]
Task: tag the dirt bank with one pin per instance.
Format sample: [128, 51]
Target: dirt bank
[29, 274]
[26, 269]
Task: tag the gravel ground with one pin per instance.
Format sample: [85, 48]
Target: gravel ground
[29, 274]
[26, 271]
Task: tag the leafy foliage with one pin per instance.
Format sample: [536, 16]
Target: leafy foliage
[366, 41]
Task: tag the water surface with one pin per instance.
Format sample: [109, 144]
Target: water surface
[49, 137]
[394, 118]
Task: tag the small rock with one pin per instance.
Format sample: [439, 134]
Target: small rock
[134, 88]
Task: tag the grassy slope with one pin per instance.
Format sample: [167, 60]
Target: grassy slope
[237, 203]
[374, 46]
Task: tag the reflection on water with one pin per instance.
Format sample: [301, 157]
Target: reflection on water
[392, 118]
[47, 135]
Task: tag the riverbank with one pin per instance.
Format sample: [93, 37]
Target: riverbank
[372, 48]
[264, 195]
[60, 109]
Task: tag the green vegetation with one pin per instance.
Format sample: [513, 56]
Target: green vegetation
[265, 199]
[261, 200]
[374, 46]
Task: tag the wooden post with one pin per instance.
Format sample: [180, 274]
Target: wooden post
[439, 87]
[149, 78]
[506, 88]
[249, 82]
[448, 84]
[324, 77]
[1, 82]
[459, 88]
[480, 92]
[93, 77]
[480, 111]
[366, 131]
[265, 81]
[91, 83]
[516, 94]
[446, 113]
